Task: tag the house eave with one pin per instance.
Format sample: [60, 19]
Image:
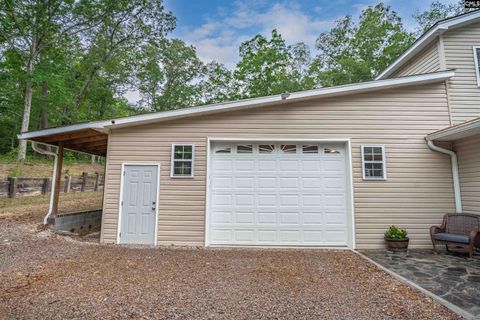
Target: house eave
[460, 131]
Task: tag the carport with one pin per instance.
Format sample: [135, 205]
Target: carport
[90, 138]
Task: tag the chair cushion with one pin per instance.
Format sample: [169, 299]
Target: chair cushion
[460, 238]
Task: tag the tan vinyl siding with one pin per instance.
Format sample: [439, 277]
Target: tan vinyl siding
[416, 195]
[464, 92]
[424, 62]
[468, 151]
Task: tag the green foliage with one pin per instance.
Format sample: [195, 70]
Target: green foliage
[354, 52]
[437, 11]
[395, 233]
[271, 66]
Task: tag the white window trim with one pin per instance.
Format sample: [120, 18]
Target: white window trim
[384, 161]
[475, 60]
[172, 160]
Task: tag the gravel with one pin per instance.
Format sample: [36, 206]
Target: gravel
[48, 276]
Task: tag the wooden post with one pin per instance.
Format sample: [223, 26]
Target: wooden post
[45, 185]
[95, 187]
[58, 177]
[12, 188]
[68, 184]
[84, 181]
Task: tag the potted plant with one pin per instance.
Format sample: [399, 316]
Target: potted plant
[396, 239]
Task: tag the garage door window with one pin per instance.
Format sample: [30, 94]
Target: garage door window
[289, 148]
[373, 162]
[244, 148]
[309, 149]
[182, 160]
[266, 148]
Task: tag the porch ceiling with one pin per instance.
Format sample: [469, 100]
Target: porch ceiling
[85, 140]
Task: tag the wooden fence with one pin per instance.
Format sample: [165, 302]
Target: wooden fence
[15, 187]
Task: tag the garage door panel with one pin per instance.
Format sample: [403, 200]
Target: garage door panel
[222, 217]
[267, 182]
[247, 182]
[311, 165]
[244, 166]
[278, 198]
[288, 165]
[289, 200]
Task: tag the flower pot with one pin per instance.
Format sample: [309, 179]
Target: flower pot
[397, 244]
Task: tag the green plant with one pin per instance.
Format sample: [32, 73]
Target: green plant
[395, 233]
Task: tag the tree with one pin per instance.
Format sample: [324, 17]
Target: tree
[353, 52]
[270, 67]
[168, 75]
[107, 30]
[218, 84]
[437, 11]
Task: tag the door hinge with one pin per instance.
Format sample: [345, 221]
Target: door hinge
[120, 234]
[121, 203]
[124, 173]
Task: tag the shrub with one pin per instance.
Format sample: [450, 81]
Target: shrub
[395, 233]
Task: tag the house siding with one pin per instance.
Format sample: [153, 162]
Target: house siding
[468, 151]
[416, 194]
[425, 61]
[463, 89]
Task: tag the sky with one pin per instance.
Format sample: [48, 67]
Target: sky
[218, 27]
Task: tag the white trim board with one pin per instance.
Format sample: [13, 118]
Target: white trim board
[475, 59]
[139, 163]
[438, 29]
[344, 90]
[351, 238]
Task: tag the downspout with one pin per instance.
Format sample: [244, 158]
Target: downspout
[455, 175]
[54, 177]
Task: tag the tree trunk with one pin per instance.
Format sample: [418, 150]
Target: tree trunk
[27, 100]
[44, 111]
[27, 105]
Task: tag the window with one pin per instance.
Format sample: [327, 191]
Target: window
[288, 148]
[476, 57]
[182, 160]
[244, 148]
[309, 149]
[266, 148]
[330, 151]
[224, 150]
[373, 163]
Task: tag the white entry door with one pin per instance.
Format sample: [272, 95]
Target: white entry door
[139, 204]
[278, 194]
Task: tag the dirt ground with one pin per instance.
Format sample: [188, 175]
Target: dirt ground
[47, 276]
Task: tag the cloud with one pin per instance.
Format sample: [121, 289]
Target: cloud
[220, 36]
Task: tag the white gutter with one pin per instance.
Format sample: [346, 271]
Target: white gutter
[54, 177]
[455, 175]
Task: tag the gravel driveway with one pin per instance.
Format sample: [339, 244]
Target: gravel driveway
[53, 277]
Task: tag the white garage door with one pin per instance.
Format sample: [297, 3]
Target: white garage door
[278, 194]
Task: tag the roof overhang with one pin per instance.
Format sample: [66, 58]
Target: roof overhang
[422, 42]
[82, 138]
[462, 130]
[92, 137]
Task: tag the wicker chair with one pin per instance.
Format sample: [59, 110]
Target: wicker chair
[459, 229]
